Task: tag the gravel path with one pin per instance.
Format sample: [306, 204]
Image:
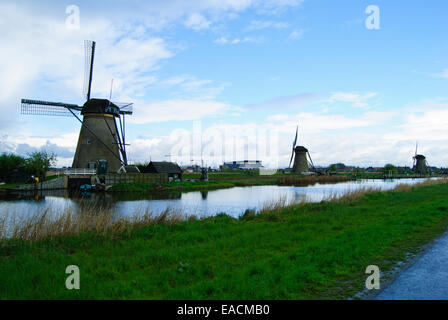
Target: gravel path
[426, 279]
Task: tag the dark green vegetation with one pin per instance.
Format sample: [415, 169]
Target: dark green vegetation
[312, 251]
[172, 186]
[15, 169]
[227, 180]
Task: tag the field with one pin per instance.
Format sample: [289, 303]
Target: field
[307, 251]
[228, 180]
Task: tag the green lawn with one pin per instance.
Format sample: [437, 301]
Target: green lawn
[313, 251]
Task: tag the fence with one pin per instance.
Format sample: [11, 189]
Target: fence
[79, 171]
[115, 178]
[54, 184]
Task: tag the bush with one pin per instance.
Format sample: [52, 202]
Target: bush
[11, 167]
[14, 168]
[39, 162]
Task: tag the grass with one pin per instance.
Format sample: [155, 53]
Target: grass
[181, 186]
[226, 180]
[304, 251]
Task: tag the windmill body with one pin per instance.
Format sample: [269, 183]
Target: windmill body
[98, 121]
[300, 160]
[101, 142]
[420, 165]
[300, 155]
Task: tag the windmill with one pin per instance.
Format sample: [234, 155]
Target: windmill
[420, 165]
[101, 143]
[301, 157]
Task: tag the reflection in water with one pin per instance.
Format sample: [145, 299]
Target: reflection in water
[204, 203]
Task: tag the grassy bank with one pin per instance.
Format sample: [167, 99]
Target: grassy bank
[222, 181]
[307, 251]
[181, 186]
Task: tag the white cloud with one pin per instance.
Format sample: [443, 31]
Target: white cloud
[443, 74]
[357, 100]
[224, 40]
[197, 21]
[259, 25]
[186, 86]
[177, 110]
[296, 34]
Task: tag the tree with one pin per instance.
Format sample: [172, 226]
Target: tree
[39, 162]
[11, 166]
[390, 168]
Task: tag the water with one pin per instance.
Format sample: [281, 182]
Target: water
[205, 203]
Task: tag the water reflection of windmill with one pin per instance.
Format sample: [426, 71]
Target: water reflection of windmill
[301, 156]
[101, 142]
[420, 164]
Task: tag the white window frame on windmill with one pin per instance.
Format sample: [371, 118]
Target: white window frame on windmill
[91, 165]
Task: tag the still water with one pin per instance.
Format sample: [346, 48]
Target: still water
[205, 203]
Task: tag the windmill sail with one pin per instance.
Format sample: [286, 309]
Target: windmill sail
[88, 68]
[294, 145]
[125, 108]
[415, 156]
[311, 160]
[47, 108]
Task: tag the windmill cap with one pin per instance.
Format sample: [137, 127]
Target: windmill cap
[420, 157]
[100, 106]
[301, 149]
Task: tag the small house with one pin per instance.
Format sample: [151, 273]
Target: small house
[172, 169]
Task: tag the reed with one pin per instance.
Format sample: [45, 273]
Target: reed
[309, 180]
[102, 221]
[427, 182]
[276, 206]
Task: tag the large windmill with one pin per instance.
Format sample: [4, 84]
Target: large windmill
[301, 156]
[101, 142]
[420, 165]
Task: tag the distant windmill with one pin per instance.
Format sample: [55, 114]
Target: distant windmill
[101, 142]
[420, 165]
[300, 155]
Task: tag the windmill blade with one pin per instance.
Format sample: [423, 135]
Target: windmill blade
[47, 108]
[125, 108]
[89, 47]
[295, 140]
[292, 156]
[416, 148]
[294, 146]
[311, 160]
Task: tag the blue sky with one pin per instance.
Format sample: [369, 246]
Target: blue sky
[245, 68]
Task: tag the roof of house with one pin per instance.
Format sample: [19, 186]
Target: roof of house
[132, 169]
[163, 167]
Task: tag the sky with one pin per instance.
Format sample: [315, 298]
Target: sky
[219, 80]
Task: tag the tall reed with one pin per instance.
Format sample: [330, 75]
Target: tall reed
[309, 180]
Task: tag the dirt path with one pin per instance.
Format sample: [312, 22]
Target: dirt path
[426, 279]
